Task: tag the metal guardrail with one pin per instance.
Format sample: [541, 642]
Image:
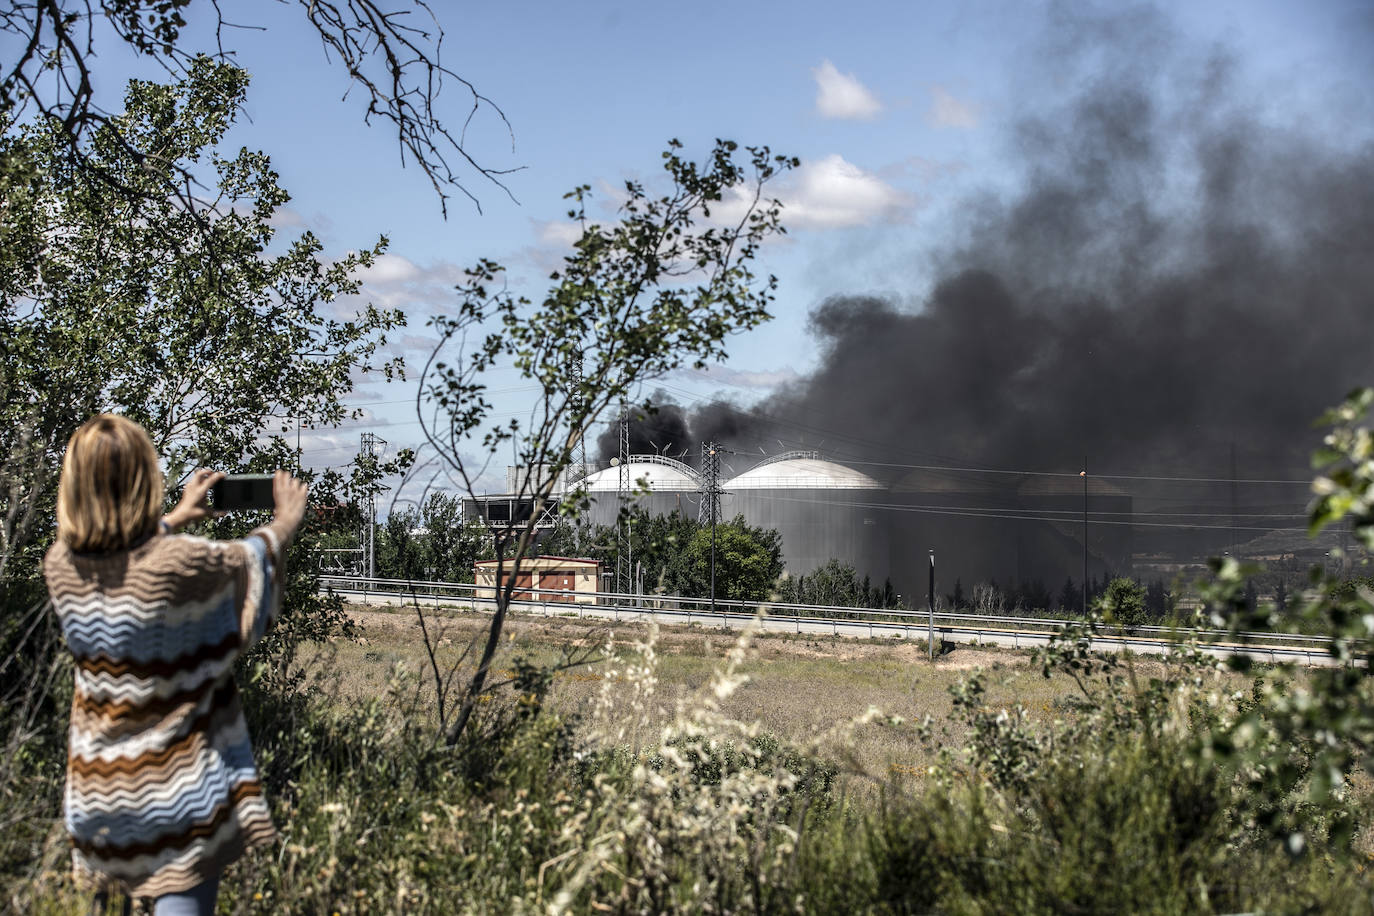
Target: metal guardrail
[1011, 631]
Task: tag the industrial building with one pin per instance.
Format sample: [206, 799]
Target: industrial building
[563, 579]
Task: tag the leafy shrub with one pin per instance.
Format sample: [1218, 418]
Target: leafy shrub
[1123, 603]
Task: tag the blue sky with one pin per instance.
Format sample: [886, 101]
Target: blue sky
[898, 111]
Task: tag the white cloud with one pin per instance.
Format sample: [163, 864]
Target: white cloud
[828, 193]
[390, 268]
[560, 234]
[947, 111]
[280, 218]
[841, 95]
[415, 348]
[394, 281]
[553, 241]
[833, 193]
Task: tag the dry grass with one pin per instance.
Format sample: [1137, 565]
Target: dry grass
[803, 689]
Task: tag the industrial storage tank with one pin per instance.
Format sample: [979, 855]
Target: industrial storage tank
[822, 509]
[993, 526]
[966, 517]
[672, 487]
[1057, 543]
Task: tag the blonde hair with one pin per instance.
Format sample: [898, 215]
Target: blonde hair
[110, 495]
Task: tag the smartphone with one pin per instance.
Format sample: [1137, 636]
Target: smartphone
[243, 491]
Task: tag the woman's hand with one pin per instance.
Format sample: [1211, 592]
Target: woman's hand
[195, 500]
[289, 494]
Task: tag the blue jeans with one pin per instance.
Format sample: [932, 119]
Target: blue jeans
[198, 901]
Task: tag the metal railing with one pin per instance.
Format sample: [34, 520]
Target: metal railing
[1006, 630]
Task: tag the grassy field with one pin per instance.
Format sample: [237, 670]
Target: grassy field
[1085, 808]
[803, 689]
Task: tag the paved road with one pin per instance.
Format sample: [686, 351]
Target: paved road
[979, 634]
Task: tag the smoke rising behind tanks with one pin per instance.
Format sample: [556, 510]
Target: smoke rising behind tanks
[661, 430]
[1177, 274]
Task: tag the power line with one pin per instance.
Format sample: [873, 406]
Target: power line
[1074, 513]
[1027, 472]
[1003, 514]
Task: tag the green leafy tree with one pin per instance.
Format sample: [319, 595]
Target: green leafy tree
[1123, 603]
[218, 347]
[669, 549]
[662, 285]
[748, 560]
[400, 549]
[1156, 600]
[890, 598]
[1070, 597]
[956, 598]
[657, 546]
[836, 584]
[200, 323]
[452, 546]
[1032, 597]
[660, 544]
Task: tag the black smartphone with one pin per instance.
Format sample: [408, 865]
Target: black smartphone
[243, 491]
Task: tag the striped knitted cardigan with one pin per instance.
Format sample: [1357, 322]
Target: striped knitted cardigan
[162, 791]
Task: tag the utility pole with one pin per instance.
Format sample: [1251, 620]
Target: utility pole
[930, 603]
[577, 407]
[622, 546]
[710, 502]
[1084, 474]
[1234, 540]
[370, 441]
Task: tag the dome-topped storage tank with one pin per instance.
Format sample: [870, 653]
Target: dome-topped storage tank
[671, 485]
[822, 509]
[802, 471]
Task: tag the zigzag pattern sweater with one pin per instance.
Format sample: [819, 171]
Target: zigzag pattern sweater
[162, 791]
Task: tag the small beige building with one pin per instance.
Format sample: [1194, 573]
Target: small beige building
[567, 579]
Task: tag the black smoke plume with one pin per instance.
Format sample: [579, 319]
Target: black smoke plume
[660, 429]
[1179, 274]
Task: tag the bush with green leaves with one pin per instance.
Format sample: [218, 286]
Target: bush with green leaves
[1123, 603]
[431, 541]
[675, 553]
[836, 584]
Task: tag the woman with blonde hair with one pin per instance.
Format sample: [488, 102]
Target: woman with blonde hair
[162, 792]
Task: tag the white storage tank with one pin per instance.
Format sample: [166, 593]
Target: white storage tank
[672, 486]
[822, 509]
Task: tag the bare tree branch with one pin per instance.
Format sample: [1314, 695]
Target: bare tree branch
[392, 56]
